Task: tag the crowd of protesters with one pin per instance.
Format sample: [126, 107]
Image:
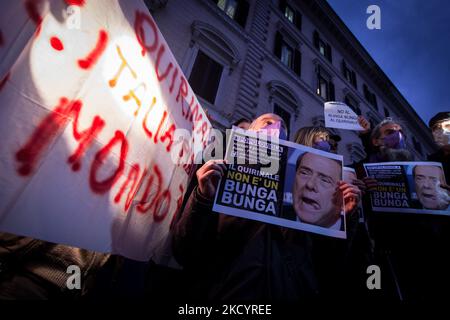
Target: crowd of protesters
[230, 258]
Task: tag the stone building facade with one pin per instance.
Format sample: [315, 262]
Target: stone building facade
[248, 57]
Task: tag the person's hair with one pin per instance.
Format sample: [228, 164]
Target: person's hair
[252, 124]
[438, 118]
[441, 172]
[306, 135]
[299, 160]
[238, 122]
[376, 132]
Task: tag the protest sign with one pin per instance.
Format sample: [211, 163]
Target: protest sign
[339, 115]
[91, 107]
[409, 187]
[281, 183]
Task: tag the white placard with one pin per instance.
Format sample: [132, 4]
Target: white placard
[338, 115]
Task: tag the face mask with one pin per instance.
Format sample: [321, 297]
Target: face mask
[322, 145]
[276, 129]
[394, 141]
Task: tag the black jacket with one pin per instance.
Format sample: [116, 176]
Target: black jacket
[443, 158]
[229, 258]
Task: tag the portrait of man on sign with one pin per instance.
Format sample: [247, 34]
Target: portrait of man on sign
[427, 182]
[315, 197]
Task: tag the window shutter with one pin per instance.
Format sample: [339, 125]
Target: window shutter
[242, 13]
[298, 20]
[316, 39]
[205, 77]
[278, 40]
[297, 62]
[331, 93]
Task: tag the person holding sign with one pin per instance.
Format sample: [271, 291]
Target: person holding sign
[233, 258]
[408, 247]
[389, 143]
[215, 249]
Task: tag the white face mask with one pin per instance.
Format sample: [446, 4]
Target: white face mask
[441, 134]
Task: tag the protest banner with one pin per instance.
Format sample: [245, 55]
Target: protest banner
[339, 115]
[409, 187]
[281, 183]
[92, 101]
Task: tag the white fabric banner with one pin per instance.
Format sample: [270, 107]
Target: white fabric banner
[92, 106]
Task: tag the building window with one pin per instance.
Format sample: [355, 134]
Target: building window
[325, 87]
[322, 90]
[289, 56]
[386, 112]
[286, 116]
[370, 97]
[205, 77]
[235, 9]
[351, 102]
[349, 74]
[286, 55]
[323, 47]
[228, 6]
[285, 102]
[291, 14]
